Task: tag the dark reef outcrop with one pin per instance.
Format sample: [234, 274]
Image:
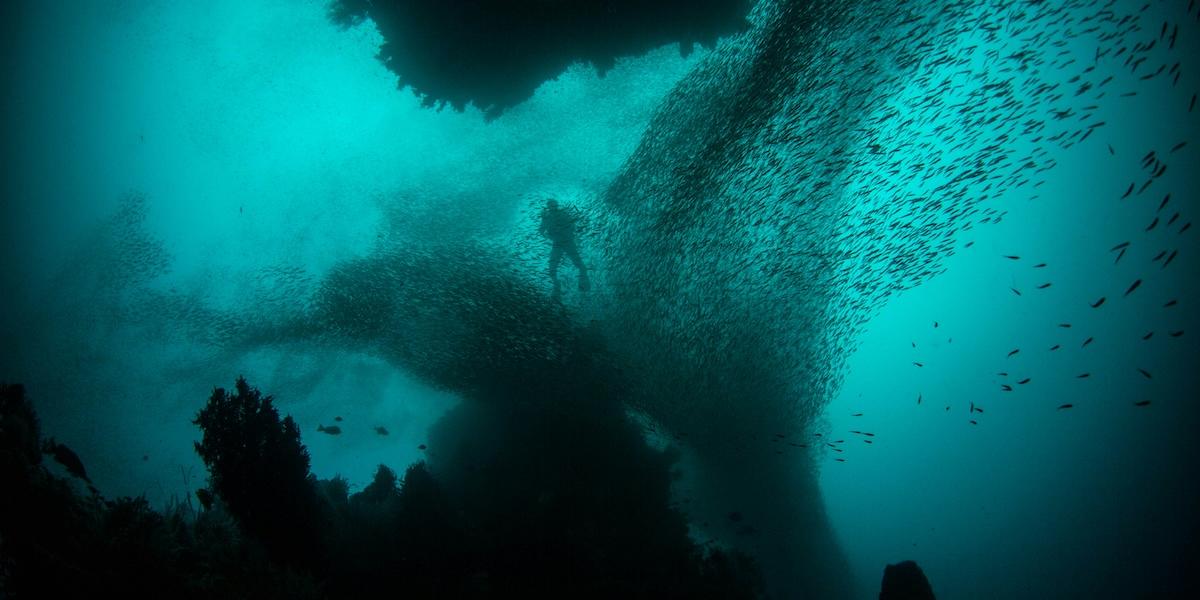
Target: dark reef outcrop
[905, 581]
[503, 518]
[495, 53]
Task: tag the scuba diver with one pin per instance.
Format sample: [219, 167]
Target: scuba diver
[559, 226]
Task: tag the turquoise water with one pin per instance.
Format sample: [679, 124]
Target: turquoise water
[784, 231]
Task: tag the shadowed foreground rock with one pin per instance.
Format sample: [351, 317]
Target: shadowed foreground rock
[528, 503]
[495, 53]
[905, 581]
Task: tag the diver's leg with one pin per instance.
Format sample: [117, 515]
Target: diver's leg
[573, 254]
[555, 257]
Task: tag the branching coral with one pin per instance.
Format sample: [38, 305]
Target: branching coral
[259, 469]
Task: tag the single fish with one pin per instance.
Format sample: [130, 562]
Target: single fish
[1010, 354]
[1065, 325]
[1147, 336]
[1039, 266]
[1133, 286]
[381, 430]
[1142, 403]
[1086, 342]
[1145, 373]
[1062, 406]
[1024, 381]
[918, 364]
[1043, 286]
[1097, 303]
[1012, 257]
[1170, 303]
[1176, 333]
[67, 458]
[421, 447]
[1170, 258]
[331, 430]
[1015, 291]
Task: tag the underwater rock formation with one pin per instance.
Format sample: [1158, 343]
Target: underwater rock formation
[19, 429]
[56, 542]
[542, 389]
[495, 53]
[586, 523]
[905, 581]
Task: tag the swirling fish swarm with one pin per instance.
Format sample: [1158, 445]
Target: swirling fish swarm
[835, 156]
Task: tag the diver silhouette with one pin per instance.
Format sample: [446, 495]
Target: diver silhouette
[559, 226]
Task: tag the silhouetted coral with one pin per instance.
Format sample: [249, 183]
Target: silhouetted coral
[572, 503]
[259, 469]
[57, 544]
